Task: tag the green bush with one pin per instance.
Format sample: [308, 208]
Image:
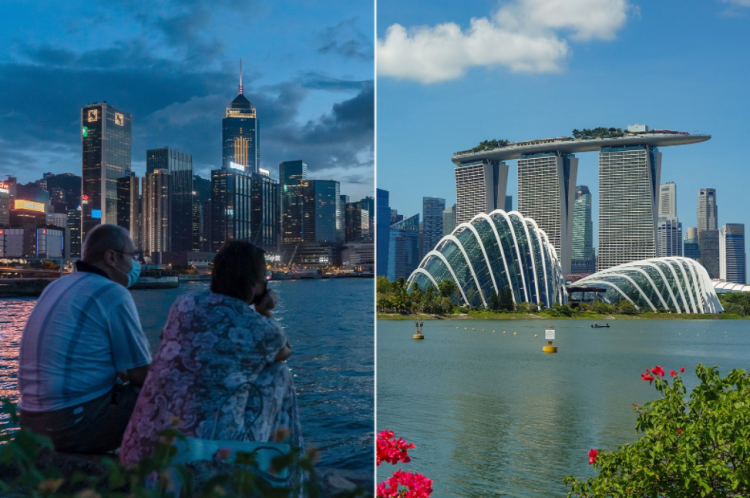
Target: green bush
[693, 447]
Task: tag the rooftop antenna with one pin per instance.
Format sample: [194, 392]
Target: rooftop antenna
[240, 76]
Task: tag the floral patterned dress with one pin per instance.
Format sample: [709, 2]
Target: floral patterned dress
[211, 347]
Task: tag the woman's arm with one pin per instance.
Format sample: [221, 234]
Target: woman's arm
[285, 353]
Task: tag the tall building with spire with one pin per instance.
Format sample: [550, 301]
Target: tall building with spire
[241, 148]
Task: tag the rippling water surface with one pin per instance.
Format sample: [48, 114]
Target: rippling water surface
[330, 327]
[492, 415]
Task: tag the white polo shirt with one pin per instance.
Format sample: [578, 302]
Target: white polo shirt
[83, 330]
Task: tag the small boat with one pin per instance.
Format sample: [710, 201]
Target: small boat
[597, 326]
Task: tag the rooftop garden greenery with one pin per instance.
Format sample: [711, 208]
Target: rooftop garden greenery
[600, 132]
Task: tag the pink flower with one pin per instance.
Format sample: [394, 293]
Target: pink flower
[657, 370]
[672, 373]
[418, 486]
[592, 456]
[222, 454]
[647, 377]
[392, 450]
[682, 369]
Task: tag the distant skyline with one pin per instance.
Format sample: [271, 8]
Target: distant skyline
[174, 65]
[612, 63]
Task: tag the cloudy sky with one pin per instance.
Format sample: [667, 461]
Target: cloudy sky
[451, 74]
[174, 65]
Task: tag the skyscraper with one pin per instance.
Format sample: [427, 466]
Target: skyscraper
[156, 214]
[382, 224]
[357, 222]
[74, 228]
[546, 193]
[508, 203]
[582, 254]
[128, 206]
[668, 201]
[291, 176]
[669, 237]
[323, 213]
[708, 211]
[432, 222]
[240, 131]
[403, 250]
[708, 241]
[628, 204]
[449, 220]
[106, 136]
[180, 168]
[732, 257]
[692, 249]
[4, 204]
[480, 188]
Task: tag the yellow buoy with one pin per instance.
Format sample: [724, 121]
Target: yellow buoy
[550, 336]
[473, 328]
[418, 335]
[549, 348]
[535, 335]
[515, 333]
[503, 331]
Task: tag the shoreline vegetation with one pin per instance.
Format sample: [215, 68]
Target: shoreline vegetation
[438, 303]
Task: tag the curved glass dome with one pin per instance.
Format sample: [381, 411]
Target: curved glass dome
[677, 284]
[493, 252]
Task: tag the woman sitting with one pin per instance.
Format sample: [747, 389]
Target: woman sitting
[213, 346]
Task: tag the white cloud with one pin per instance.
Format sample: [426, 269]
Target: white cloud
[524, 36]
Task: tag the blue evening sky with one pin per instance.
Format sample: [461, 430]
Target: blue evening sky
[672, 64]
[174, 65]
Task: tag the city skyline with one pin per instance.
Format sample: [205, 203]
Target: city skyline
[174, 68]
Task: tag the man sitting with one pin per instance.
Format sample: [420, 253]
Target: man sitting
[84, 334]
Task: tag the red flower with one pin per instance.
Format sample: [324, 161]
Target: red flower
[682, 369]
[672, 373]
[418, 486]
[647, 377]
[392, 450]
[592, 456]
[657, 370]
[679, 431]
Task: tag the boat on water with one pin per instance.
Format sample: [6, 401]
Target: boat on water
[597, 326]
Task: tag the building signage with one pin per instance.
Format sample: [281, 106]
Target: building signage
[31, 206]
[549, 334]
[234, 165]
[96, 214]
[264, 172]
[4, 188]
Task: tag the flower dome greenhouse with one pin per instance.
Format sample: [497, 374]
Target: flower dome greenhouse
[491, 253]
[677, 284]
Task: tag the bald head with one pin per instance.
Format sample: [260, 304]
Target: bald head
[103, 238]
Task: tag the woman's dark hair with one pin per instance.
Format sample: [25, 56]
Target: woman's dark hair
[238, 266]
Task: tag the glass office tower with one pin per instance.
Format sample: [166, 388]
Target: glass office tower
[382, 224]
[292, 174]
[180, 168]
[582, 255]
[323, 212]
[403, 250]
[732, 258]
[106, 137]
[432, 222]
[240, 134]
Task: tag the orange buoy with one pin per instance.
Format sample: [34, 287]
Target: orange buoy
[503, 331]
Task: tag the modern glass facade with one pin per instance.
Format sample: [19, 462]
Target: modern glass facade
[180, 167]
[291, 176]
[323, 212]
[546, 194]
[240, 135]
[691, 247]
[432, 222]
[403, 248]
[106, 138]
[480, 188]
[449, 220]
[708, 211]
[669, 237]
[74, 227]
[679, 285]
[582, 255]
[708, 241]
[628, 204]
[732, 258]
[382, 224]
[494, 252]
[156, 213]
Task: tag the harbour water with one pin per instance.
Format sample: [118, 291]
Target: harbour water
[491, 415]
[330, 327]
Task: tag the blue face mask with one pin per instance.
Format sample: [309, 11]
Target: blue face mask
[134, 273]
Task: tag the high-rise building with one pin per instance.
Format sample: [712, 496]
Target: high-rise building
[669, 237]
[357, 222]
[65, 191]
[106, 136]
[668, 201]
[508, 203]
[546, 193]
[403, 250]
[432, 222]
[197, 222]
[732, 257]
[74, 227]
[244, 206]
[708, 241]
[128, 212]
[628, 204]
[368, 203]
[449, 220]
[708, 211]
[291, 176]
[240, 129]
[480, 188]
[582, 254]
[180, 168]
[691, 246]
[382, 224]
[323, 213]
[202, 195]
[156, 214]
[4, 204]
[395, 217]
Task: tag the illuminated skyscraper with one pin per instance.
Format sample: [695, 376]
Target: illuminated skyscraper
[180, 168]
[106, 136]
[240, 133]
[324, 218]
[292, 174]
[156, 212]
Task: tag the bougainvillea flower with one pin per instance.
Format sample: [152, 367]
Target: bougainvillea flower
[418, 486]
[657, 370]
[682, 369]
[592, 456]
[679, 431]
[392, 450]
[672, 373]
[647, 377]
